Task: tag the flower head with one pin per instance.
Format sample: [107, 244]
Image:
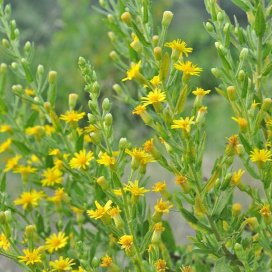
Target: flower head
[58, 196]
[133, 72]
[29, 199]
[260, 156]
[5, 128]
[51, 176]
[62, 264]
[126, 242]
[134, 189]
[159, 187]
[55, 242]
[160, 265]
[242, 122]
[4, 242]
[138, 110]
[5, 145]
[265, 211]
[72, 116]
[12, 163]
[106, 160]
[188, 68]
[163, 206]
[106, 261]
[30, 257]
[81, 160]
[236, 177]
[100, 210]
[179, 46]
[154, 97]
[200, 92]
[184, 124]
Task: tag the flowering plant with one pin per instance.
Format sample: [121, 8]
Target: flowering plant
[84, 200]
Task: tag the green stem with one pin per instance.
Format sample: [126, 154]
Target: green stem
[259, 68]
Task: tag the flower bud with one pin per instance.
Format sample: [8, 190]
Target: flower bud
[5, 43]
[27, 47]
[241, 75]
[220, 16]
[231, 91]
[40, 70]
[108, 119]
[8, 216]
[102, 3]
[3, 68]
[136, 45]
[209, 27]
[266, 105]
[102, 182]
[155, 40]
[117, 88]
[216, 72]
[17, 88]
[243, 54]
[91, 118]
[112, 36]
[110, 18]
[226, 28]
[167, 18]
[52, 77]
[126, 18]
[114, 56]
[106, 105]
[123, 143]
[72, 100]
[157, 53]
[14, 65]
[236, 209]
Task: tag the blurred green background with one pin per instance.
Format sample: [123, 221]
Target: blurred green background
[63, 30]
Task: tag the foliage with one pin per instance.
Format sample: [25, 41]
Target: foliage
[84, 193]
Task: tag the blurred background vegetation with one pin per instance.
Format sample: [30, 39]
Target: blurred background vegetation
[63, 30]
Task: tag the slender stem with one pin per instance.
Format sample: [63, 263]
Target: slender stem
[259, 68]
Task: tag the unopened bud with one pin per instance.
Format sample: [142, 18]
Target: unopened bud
[102, 3]
[5, 43]
[241, 75]
[91, 118]
[157, 53]
[8, 216]
[126, 18]
[167, 18]
[216, 72]
[220, 16]
[113, 55]
[123, 143]
[40, 70]
[17, 88]
[110, 18]
[209, 27]
[72, 100]
[3, 68]
[231, 91]
[112, 36]
[14, 65]
[96, 88]
[106, 105]
[136, 45]
[226, 28]
[155, 40]
[117, 88]
[243, 53]
[266, 105]
[236, 209]
[101, 181]
[27, 47]
[52, 77]
[108, 119]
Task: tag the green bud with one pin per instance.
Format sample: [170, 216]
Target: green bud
[106, 105]
[167, 18]
[5, 43]
[16, 33]
[114, 56]
[8, 216]
[110, 18]
[72, 100]
[27, 47]
[91, 118]
[102, 3]
[123, 143]
[81, 61]
[2, 218]
[52, 77]
[7, 10]
[157, 53]
[40, 70]
[266, 105]
[117, 88]
[216, 72]
[241, 75]
[17, 88]
[96, 88]
[209, 27]
[108, 119]
[155, 40]
[226, 28]
[243, 53]
[112, 36]
[231, 91]
[220, 16]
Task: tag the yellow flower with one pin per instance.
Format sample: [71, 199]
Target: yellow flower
[100, 210]
[5, 128]
[163, 206]
[133, 72]
[49, 130]
[30, 256]
[72, 116]
[55, 242]
[179, 46]
[25, 169]
[81, 160]
[5, 145]
[114, 211]
[154, 97]
[4, 242]
[58, 196]
[79, 269]
[200, 92]
[188, 68]
[155, 81]
[106, 261]
[260, 156]
[236, 177]
[51, 176]
[29, 199]
[159, 187]
[106, 160]
[149, 145]
[29, 92]
[139, 156]
[12, 163]
[34, 131]
[242, 122]
[62, 264]
[138, 110]
[232, 145]
[54, 152]
[160, 265]
[187, 268]
[126, 242]
[184, 124]
[264, 211]
[134, 188]
[117, 192]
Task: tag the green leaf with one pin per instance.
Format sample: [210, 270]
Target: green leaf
[39, 223]
[21, 147]
[245, 143]
[79, 142]
[168, 237]
[241, 4]
[31, 120]
[3, 184]
[222, 202]
[260, 25]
